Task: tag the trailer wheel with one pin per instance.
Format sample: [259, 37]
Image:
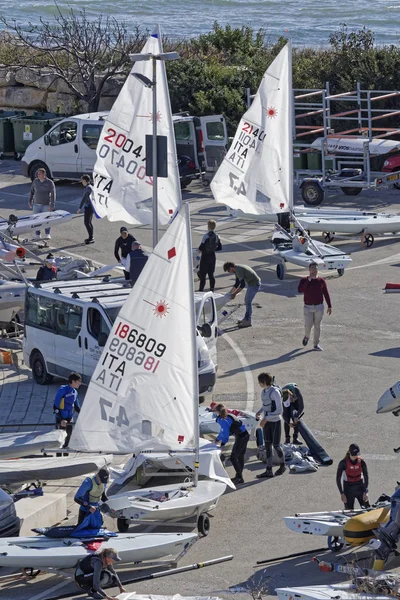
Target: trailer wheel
[312, 193]
[328, 236]
[280, 271]
[397, 186]
[335, 544]
[367, 240]
[340, 272]
[122, 524]
[351, 191]
[203, 525]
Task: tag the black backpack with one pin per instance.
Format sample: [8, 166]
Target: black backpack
[211, 243]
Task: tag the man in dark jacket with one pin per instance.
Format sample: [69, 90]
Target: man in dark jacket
[136, 260]
[210, 244]
[123, 244]
[48, 271]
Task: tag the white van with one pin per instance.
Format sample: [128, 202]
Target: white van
[68, 150]
[67, 324]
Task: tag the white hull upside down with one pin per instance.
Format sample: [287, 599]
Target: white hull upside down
[32, 223]
[340, 591]
[323, 523]
[166, 502]
[356, 222]
[40, 552]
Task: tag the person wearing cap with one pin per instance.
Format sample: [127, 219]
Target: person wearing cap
[123, 245]
[315, 290]
[48, 271]
[91, 491]
[293, 408]
[96, 571]
[352, 469]
[135, 262]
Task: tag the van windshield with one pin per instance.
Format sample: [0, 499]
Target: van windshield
[113, 313]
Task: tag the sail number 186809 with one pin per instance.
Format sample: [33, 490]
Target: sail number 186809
[137, 347]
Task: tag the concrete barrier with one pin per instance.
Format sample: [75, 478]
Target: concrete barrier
[41, 511]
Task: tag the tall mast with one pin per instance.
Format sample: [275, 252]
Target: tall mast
[193, 356]
[291, 125]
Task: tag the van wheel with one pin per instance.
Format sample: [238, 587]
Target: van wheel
[33, 169]
[39, 371]
[122, 524]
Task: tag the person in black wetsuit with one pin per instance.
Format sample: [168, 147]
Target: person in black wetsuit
[87, 206]
[210, 244]
[96, 571]
[293, 408]
[231, 425]
[353, 469]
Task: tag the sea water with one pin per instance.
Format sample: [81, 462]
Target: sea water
[307, 22]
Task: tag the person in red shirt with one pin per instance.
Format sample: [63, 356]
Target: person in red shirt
[315, 290]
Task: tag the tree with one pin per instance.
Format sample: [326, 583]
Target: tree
[85, 53]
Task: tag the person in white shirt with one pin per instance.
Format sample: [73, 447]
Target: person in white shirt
[271, 423]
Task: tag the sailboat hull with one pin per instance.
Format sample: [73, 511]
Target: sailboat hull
[341, 591]
[166, 502]
[378, 223]
[45, 553]
[31, 222]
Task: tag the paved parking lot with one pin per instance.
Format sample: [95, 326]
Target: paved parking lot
[341, 385]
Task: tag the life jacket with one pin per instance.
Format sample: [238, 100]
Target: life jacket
[96, 492]
[353, 471]
[269, 404]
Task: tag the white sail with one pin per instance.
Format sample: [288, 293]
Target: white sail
[143, 393]
[122, 191]
[256, 175]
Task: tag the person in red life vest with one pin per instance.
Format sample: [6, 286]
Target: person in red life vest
[315, 290]
[354, 473]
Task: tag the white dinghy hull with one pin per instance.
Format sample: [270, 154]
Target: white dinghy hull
[347, 222]
[42, 552]
[340, 591]
[174, 502]
[25, 443]
[49, 469]
[326, 524]
[328, 258]
[390, 400]
[31, 223]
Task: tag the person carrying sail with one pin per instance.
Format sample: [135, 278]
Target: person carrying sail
[210, 244]
[231, 425]
[353, 469]
[91, 491]
[96, 571]
[271, 423]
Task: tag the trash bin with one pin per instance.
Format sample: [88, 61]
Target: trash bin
[299, 160]
[314, 161]
[29, 129]
[6, 130]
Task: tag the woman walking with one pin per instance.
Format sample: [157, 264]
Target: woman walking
[87, 206]
[231, 425]
[271, 423]
[353, 470]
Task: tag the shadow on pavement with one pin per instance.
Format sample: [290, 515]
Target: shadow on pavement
[389, 353]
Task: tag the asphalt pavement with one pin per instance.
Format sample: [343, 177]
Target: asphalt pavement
[341, 386]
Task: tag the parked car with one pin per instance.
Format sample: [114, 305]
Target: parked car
[391, 165]
[9, 522]
[187, 170]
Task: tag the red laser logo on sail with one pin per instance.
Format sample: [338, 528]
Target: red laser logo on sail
[161, 308]
[271, 112]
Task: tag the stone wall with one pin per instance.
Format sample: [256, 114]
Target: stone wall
[29, 91]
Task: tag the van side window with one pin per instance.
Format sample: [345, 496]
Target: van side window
[96, 323]
[215, 131]
[68, 319]
[39, 312]
[91, 135]
[63, 133]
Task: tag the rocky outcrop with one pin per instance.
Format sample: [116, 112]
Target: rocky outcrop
[29, 90]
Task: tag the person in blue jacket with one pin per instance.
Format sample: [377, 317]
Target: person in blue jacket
[66, 403]
[90, 492]
[231, 425]
[137, 258]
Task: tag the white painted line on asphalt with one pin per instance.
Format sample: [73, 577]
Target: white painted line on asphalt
[382, 261]
[49, 592]
[246, 369]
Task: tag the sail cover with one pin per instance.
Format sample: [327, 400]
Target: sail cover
[122, 191]
[256, 175]
[142, 393]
